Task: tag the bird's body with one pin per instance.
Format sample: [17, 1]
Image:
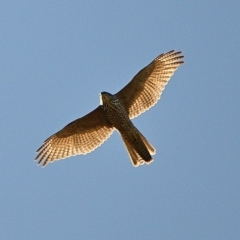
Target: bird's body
[115, 113]
[118, 117]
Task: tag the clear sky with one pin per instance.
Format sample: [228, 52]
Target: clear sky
[55, 59]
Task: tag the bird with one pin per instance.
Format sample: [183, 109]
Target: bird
[115, 112]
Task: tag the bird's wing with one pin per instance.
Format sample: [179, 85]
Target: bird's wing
[78, 137]
[146, 87]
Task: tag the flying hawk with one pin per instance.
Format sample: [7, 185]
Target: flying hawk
[115, 112]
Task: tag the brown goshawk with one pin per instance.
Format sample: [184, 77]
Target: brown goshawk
[114, 113]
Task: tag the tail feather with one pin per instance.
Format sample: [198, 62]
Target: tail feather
[150, 148]
[134, 156]
[139, 152]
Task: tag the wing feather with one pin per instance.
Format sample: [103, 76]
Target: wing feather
[146, 87]
[78, 137]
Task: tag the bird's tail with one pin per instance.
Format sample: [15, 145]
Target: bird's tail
[139, 149]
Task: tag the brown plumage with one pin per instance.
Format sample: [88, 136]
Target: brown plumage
[89, 132]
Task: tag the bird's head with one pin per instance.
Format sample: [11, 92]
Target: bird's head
[105, 97]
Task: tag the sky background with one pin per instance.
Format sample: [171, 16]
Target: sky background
[55, 59]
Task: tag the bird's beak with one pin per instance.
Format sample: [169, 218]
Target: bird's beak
[101, 101]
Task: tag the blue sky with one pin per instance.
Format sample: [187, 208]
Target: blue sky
[57, 56]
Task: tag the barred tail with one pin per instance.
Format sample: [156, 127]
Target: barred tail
[139, 150]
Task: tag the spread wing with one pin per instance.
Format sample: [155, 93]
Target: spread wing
[146, 87]
[78, 137]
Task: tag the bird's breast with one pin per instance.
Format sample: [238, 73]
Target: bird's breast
[118, 116]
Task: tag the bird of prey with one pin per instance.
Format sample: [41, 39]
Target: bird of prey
[115, 112]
